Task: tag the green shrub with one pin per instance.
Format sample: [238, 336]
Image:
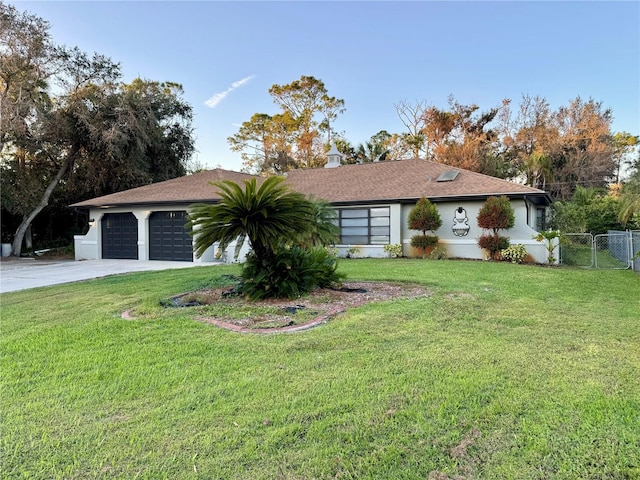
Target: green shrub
[424, 217]
[423, 242]
[493, 244]
[291, 273]
[439, 253]
[514, 253]
[496, 214]
[590, 210]
[394, 251]
[324, 266]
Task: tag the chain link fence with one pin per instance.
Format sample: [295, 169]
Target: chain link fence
[612, 250]
[635, 249]
[576, 249]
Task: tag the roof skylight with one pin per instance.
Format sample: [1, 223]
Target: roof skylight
[448, 176]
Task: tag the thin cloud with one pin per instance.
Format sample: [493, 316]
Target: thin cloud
[216, 98]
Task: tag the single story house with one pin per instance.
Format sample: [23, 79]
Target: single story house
[373, 201]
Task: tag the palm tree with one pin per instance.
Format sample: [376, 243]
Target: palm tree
[268, 215]
[538, 170]
[629, 206]
[369, 152]
[630, 198]
[584, 196]
[324, 229]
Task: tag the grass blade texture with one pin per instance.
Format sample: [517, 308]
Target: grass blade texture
[504, 371]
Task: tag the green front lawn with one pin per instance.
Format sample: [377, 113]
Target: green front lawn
[505, 371]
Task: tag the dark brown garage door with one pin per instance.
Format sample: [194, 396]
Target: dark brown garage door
[120, 236]
[168, 238]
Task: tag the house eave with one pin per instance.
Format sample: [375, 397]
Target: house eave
[165, 203]
[541, 198]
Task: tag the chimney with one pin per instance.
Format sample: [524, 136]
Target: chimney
[333, 157]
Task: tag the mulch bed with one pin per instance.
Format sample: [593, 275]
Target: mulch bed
[323, 303]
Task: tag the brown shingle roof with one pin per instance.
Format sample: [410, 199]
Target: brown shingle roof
[369, 182]
[190, 189]
[398, 180]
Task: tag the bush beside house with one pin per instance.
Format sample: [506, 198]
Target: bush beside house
[496, 214]
[425, 218]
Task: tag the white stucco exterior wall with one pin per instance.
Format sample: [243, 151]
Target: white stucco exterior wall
[467, 246]
[89, 246]
[143, 233]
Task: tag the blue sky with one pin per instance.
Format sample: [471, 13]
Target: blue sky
[370, 54]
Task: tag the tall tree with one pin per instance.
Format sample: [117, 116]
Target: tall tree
[293, 138]
[537, 170]
[413, 141]
[403, 145]
[52, 140]
[25, 53]
[460, 136]
[145, 137]
[349, 154]
[92, 134]
[629, 212]
[438, 125]
[472, 138]
[585, 154]
[374, 150]
[624, 145]
[562, 149]
[265, 143]
[528, 132]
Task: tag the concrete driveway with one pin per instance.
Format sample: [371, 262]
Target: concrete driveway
[23, 273]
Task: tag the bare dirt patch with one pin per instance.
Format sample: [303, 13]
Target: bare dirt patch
[284, 315]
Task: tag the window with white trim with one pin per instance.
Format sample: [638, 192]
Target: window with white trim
[364, 226]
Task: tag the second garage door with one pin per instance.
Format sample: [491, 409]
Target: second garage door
[169, 239]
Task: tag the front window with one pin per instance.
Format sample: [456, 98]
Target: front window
[364, 226]
[541, 219]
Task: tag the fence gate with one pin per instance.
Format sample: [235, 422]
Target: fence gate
[613, 250]
[577, 249]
